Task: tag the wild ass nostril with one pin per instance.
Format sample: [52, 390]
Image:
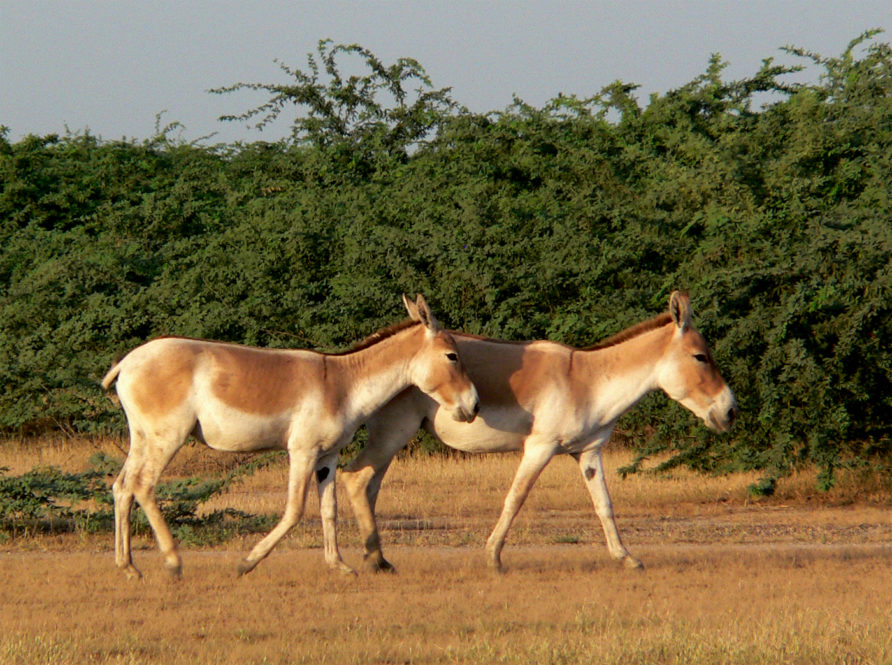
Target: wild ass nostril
[476, 407]
[732, 415]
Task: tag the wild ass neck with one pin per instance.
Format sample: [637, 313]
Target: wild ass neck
[616, 377]
[360, 382]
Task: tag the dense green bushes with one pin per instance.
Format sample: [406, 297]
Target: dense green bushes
[569, 222]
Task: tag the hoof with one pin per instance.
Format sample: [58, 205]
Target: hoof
[245, 567]
[175, 570]
[339, 566]
[381, 566]
[632, 563]
[494, 558]
[131, 572]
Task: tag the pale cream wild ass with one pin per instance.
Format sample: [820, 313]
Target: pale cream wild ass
[239, 398]
[548, 399]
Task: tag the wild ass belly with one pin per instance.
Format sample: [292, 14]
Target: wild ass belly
[227, 428]
[493, 430]
[506, 429]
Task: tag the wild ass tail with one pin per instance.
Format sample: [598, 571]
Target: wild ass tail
[109, 378]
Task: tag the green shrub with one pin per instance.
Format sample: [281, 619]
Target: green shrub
[569, 222]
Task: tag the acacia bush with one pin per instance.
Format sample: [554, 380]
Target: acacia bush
[569, 221]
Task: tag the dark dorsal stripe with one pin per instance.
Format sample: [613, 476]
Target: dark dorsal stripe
[631, 333]
[371, 340]
[378, 336]
[619, 338]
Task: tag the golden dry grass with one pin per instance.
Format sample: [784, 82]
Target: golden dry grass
[561, 605]
[801, 577]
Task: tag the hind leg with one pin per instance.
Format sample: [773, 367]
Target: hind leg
[145, 495]
[143, 467]
[123, 495]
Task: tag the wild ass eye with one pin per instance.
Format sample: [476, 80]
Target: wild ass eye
[700, 357]
[452, 357]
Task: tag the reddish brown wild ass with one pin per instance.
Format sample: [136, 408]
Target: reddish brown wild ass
[239, 398]
[548, 399]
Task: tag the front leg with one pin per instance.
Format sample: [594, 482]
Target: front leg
[363, 481]
[592, 468]
[328, 508]
[389, 431]
[301, 465]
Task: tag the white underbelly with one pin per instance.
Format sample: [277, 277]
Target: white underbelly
[492, 431]
[226, 428]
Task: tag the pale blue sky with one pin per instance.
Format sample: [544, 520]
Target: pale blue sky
[111, 66]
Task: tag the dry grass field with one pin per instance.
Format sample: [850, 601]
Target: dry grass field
[800, 577]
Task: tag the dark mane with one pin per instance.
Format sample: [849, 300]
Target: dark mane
[634, 331]
[378, 336]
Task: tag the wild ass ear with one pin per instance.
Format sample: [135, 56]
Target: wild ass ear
[411, 308]
[419, 311]
[680, 309]
[425, 315]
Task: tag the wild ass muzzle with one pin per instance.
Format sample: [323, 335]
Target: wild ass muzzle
[238, 398]
[548, 399]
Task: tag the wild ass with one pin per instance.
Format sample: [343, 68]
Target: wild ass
[548, 399]
[239, 398]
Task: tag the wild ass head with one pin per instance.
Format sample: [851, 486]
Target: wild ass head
[689, 375]
[437, 369]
